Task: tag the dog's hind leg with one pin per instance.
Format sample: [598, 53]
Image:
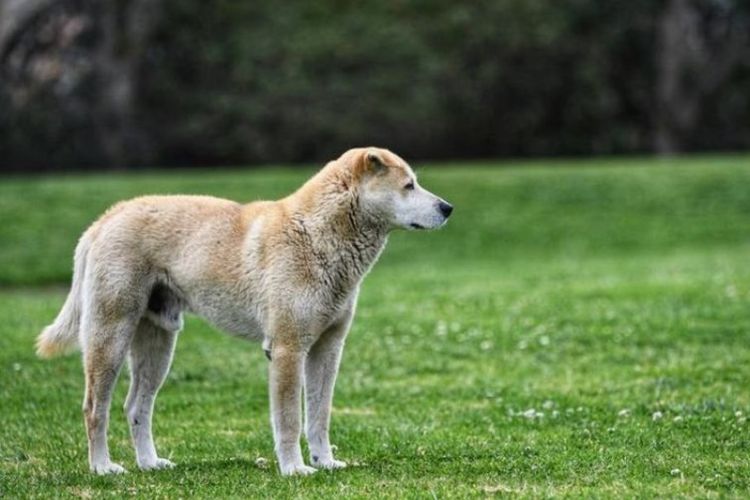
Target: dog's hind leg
[104, 348]
[115, 292]
[150, 358]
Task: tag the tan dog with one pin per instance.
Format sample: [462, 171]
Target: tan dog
[286, 273]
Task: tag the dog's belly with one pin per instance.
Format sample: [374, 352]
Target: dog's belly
[236, 318]
[238, 326]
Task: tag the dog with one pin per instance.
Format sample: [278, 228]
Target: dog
[286, 273]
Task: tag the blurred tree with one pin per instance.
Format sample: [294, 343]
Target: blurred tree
[699, 44]
[78, 62]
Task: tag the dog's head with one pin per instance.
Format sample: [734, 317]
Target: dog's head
[388, 189]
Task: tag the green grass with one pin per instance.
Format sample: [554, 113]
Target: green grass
[600, 294]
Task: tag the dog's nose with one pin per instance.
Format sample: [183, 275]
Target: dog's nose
[445, 209]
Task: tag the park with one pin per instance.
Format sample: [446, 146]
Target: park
[578, 328]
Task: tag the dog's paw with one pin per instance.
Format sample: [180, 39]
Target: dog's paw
[108, 468]
[297, 470]
[159, 463]
[329, 464]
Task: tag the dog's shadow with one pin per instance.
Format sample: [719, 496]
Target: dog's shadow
[242, 465]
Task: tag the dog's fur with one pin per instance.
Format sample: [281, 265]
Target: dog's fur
[286, 273]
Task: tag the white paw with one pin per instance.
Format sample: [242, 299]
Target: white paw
[329, 464]
[108, 468]
[297, 470]
[159, 463]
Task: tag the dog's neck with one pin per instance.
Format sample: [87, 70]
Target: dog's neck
[344, 240]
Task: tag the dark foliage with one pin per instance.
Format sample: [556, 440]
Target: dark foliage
[230, 82]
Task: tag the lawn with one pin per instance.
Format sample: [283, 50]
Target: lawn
[579, 328]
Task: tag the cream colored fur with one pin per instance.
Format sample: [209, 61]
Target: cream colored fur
[286, 273]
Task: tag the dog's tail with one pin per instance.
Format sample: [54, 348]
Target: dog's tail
[62, 335]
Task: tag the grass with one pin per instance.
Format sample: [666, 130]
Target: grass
[578, 329]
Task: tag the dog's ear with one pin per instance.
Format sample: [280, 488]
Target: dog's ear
[365, 162]
[373, 162]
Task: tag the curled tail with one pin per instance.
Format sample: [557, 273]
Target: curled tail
[62, 335]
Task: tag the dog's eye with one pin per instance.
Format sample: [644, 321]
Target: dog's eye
[410, 186]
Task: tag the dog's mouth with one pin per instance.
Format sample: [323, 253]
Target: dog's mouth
[414, 225]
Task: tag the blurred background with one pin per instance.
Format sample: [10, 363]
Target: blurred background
[125, 84]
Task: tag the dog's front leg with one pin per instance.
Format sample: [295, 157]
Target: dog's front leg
[321, 368]
[285, 387]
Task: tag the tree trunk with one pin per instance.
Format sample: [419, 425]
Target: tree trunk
[677, 105]
[696, 50]
[125, 26]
